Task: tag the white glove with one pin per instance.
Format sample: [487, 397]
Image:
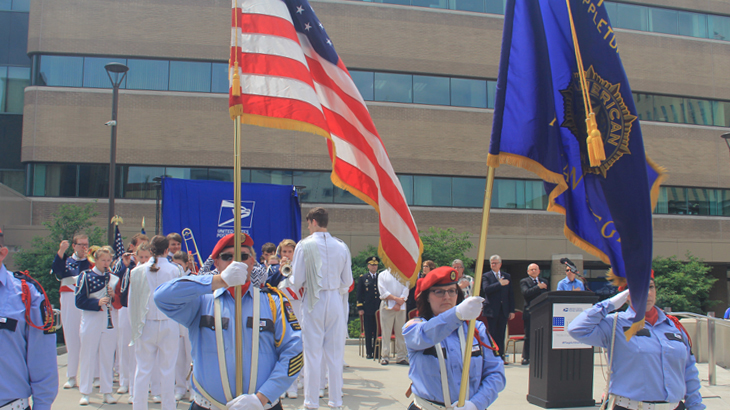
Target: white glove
[615, 302]
[245, 402]
[470, 308]
[235, 274]
[467, 406]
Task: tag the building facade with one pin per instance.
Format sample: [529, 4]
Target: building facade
[427, 69]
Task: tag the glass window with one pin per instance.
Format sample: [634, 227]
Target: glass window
[219, 80]
[401, 2]
[718, 27]
[147, 74]
[468, 5]
[645, 106]
[698, 111]
[663, 20]
[431, 190]
[468, 192]
[721, 113]
[430, 90]
[343, 197]
[393, 87]
[662, 203]
[17, 46]
[495, 6]
[187, 173]
[364, 82]
[535, 195]
[435, 4]
[668, 109]
[725, 202]
[64, 71]
[610, 10]
[226, 175]
[504, 194]
[698, 201]
[54, 180]
[5, 4]
[18, 78]
[692, 24]
[491, 93]
[317, 186]
[406, 182]
[139, 181]
[3, 86]
[677, 201]
[190, 76]
[14, 180]
[94, 180]
[631, 17]
[21, 5]
[468, 93]
[271, 176]
[95, 75]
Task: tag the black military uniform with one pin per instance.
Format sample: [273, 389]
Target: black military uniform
[368, 302]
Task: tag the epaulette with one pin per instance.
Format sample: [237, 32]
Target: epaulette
[45, 307]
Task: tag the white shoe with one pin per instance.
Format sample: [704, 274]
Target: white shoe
[156, 399]
[336, 408]
[292, 395]
[321, 393]
[283, 396]
[70, 383]
[123, 390]
[95, 383]
[300, 383]
[178, 396]
[130, 400]
[84, 400]
[108, 398]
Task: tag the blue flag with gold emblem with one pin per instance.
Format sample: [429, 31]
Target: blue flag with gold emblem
[540, 125]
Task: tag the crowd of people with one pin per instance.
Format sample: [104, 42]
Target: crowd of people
[168, 328]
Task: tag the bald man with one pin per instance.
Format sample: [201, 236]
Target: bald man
[532, 286]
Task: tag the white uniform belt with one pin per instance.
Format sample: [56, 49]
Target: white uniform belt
[202, 402]
[642, 405]
[69, 281]
[20, 404]
[427, 404]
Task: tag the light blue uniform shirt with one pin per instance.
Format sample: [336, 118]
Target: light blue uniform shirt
[655, 365]
[28, 364]
[566, 284]
[190, 302]
[486, 372]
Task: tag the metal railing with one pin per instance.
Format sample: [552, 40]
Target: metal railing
[712, 321]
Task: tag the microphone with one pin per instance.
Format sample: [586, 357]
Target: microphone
[567, 262]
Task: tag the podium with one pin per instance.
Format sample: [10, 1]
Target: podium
[561, 369]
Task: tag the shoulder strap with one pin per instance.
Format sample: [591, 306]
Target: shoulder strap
[46, 308]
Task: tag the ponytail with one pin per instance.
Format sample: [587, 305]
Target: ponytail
[158, 245]
[154, 267]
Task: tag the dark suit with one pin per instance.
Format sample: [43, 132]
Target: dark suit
[498, 304]
[368, 300]
[530, 291]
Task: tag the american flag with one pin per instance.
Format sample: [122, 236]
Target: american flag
[118, 243]
[558, 324]
[291, 78]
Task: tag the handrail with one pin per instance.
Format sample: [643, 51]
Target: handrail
[711, 322]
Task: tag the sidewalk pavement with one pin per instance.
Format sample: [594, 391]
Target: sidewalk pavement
[368, 385]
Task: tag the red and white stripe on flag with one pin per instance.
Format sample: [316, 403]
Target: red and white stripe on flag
[286, 84]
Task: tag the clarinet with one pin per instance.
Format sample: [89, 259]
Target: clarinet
[109, 324]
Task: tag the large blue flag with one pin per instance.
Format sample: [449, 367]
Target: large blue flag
[539, 125]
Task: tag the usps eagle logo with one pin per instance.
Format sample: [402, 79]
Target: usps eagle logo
[612, 116]
[227, 210]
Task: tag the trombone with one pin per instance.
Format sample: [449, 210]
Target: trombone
[187, 235]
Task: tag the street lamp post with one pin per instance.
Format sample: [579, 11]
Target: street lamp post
[726, 137]
[116, 72]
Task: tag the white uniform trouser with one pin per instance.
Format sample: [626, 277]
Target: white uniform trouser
[392, 321]
[71, 319]
[125, 352]
[324, 346]
[97, 347]
[156, 348]
[182, 365]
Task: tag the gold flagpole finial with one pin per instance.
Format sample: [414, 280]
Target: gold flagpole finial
[116, 220]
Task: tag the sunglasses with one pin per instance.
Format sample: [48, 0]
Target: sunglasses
[226, 257]
[443, 292]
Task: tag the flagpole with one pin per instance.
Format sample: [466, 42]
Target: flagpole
[237, 250]
[477, 282]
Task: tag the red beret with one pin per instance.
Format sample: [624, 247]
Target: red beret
[227, 242]
[445, 275]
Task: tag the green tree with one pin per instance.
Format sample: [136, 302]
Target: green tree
[683, 286]
[442, 246]
[69, 220]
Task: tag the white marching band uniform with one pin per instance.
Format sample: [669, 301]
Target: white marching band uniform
[154, 335]
[322, 266]
[97, 342]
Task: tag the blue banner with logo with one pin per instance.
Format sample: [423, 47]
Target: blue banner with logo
[269, 213]
[540, 125]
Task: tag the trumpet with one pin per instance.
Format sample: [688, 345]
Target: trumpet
[285, 267]
[187, 235]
